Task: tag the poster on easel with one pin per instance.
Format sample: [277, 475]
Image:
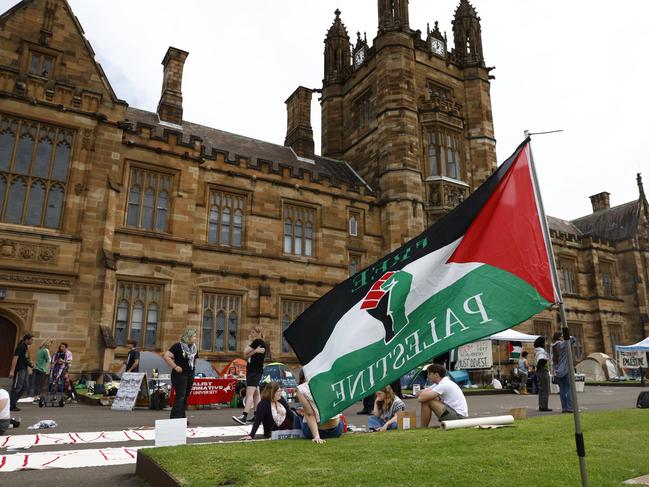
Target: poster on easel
[133, 391]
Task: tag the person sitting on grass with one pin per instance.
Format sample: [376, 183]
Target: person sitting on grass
[311, 426]
[386, 407]
[272, 411]
[444, 398]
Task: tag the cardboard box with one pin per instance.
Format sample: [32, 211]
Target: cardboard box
[406, 420]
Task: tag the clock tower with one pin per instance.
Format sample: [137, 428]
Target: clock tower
[412, 117]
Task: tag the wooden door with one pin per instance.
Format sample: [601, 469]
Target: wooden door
[7, 345]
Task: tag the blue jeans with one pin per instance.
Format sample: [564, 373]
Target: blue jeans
[18, 386]
[564, 393]
[300, 423]
[374, 422]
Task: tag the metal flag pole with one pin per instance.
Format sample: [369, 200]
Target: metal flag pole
[579, 437]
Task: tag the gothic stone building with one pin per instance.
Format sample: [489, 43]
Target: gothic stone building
[117, 222]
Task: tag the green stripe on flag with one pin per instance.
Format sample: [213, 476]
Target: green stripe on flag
[481, 303]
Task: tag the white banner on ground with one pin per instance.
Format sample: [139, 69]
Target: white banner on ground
[476, 355]
[17, 442]
[104, 457]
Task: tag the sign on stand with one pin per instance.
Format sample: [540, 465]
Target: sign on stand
[133, 390]
[476, 355]
[633, 360]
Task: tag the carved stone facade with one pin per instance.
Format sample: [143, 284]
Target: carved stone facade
[167, 224]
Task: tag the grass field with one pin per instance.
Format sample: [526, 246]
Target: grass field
[536, 452]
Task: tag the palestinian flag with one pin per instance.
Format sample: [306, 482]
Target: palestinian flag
[481, 269]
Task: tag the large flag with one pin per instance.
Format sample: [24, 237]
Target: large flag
[481, 269]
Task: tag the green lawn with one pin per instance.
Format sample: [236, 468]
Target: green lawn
[536, 452]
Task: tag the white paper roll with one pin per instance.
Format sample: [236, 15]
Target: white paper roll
[469, 423]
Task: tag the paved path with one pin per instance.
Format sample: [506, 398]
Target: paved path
[79, 418]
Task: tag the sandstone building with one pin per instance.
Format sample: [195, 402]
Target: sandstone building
[117, 222]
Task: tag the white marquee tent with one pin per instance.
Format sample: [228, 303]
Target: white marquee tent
[513, 336]
[639, 347]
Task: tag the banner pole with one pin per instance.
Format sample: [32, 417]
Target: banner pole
[579, 437]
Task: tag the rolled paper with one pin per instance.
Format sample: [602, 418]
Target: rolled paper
[471, 422]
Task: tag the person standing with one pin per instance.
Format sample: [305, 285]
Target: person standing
[541, 358]
[42, 368]
[132, 362]
[523, 372]
[254, 354]
[560, 351]
[19, 371]
[444, 398]
[181, 357]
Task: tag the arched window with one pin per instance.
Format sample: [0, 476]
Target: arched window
[308, 239]
[288, 236]
[16, 201]
[41, 168]
[212, 236]
[61, 160]
[298, 238]
[54, 207]
[353, 226]
[237, 228]
[35, 203]
[137, 316]
[121, 323]
[219, 340]
[147, 208]
[26, 155]
[133, 212]
[206, 337]
[225, 226]
[162, 211]
[233, 325]
[151, 336]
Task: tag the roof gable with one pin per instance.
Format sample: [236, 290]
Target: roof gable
[614, 224]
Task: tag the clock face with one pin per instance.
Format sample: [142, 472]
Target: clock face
[359, 57]
[437, 46]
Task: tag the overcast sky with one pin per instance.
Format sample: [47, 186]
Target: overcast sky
[577, 65]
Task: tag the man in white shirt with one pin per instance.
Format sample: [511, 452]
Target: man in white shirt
[444, 398]
[5, 415]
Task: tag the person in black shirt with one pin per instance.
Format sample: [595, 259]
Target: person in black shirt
[273, 412]
[133, 358]
[20, 373]
[255, 354]
[181, 357]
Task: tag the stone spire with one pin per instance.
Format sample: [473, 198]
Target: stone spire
[337, 54]
[467, 35]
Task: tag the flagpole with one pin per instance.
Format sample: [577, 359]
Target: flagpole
[579, 437]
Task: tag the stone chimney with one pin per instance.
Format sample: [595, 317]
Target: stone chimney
[600, 201]
[299, 134]
[170, 106]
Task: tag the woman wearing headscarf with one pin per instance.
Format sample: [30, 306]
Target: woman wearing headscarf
[542, 373]
[181, 357]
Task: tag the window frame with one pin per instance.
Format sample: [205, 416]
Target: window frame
[442, 166]
[157, 299]
[607, 284]
[297, 237]
[619, 332]
[160, 175]
[297, 306]
[54, 183]
[580, 343]
[29, 49]
[237, 197]
[543, 328]
[567, 269]
[217, 302]
[363, 110]
[359, 257]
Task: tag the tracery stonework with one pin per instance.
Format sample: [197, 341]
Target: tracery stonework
[29, 252]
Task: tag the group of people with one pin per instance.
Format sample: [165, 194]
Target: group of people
[50, 372]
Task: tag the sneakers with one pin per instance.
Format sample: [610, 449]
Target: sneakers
[241, 419]
[15, 408]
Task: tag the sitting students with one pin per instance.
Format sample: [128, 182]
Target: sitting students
[444, 398]
[312, 427]
[386, 407]
[272, 411]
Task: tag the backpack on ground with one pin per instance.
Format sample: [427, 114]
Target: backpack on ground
[643, 400]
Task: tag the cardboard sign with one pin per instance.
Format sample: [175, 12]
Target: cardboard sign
[133, 390]
[406, 420]
[633, 360]
[170, 432]
[476, 355]
[286, 435]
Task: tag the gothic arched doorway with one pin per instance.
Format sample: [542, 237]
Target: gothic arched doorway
[7, 344]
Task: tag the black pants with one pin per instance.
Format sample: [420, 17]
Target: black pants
[182, 386]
